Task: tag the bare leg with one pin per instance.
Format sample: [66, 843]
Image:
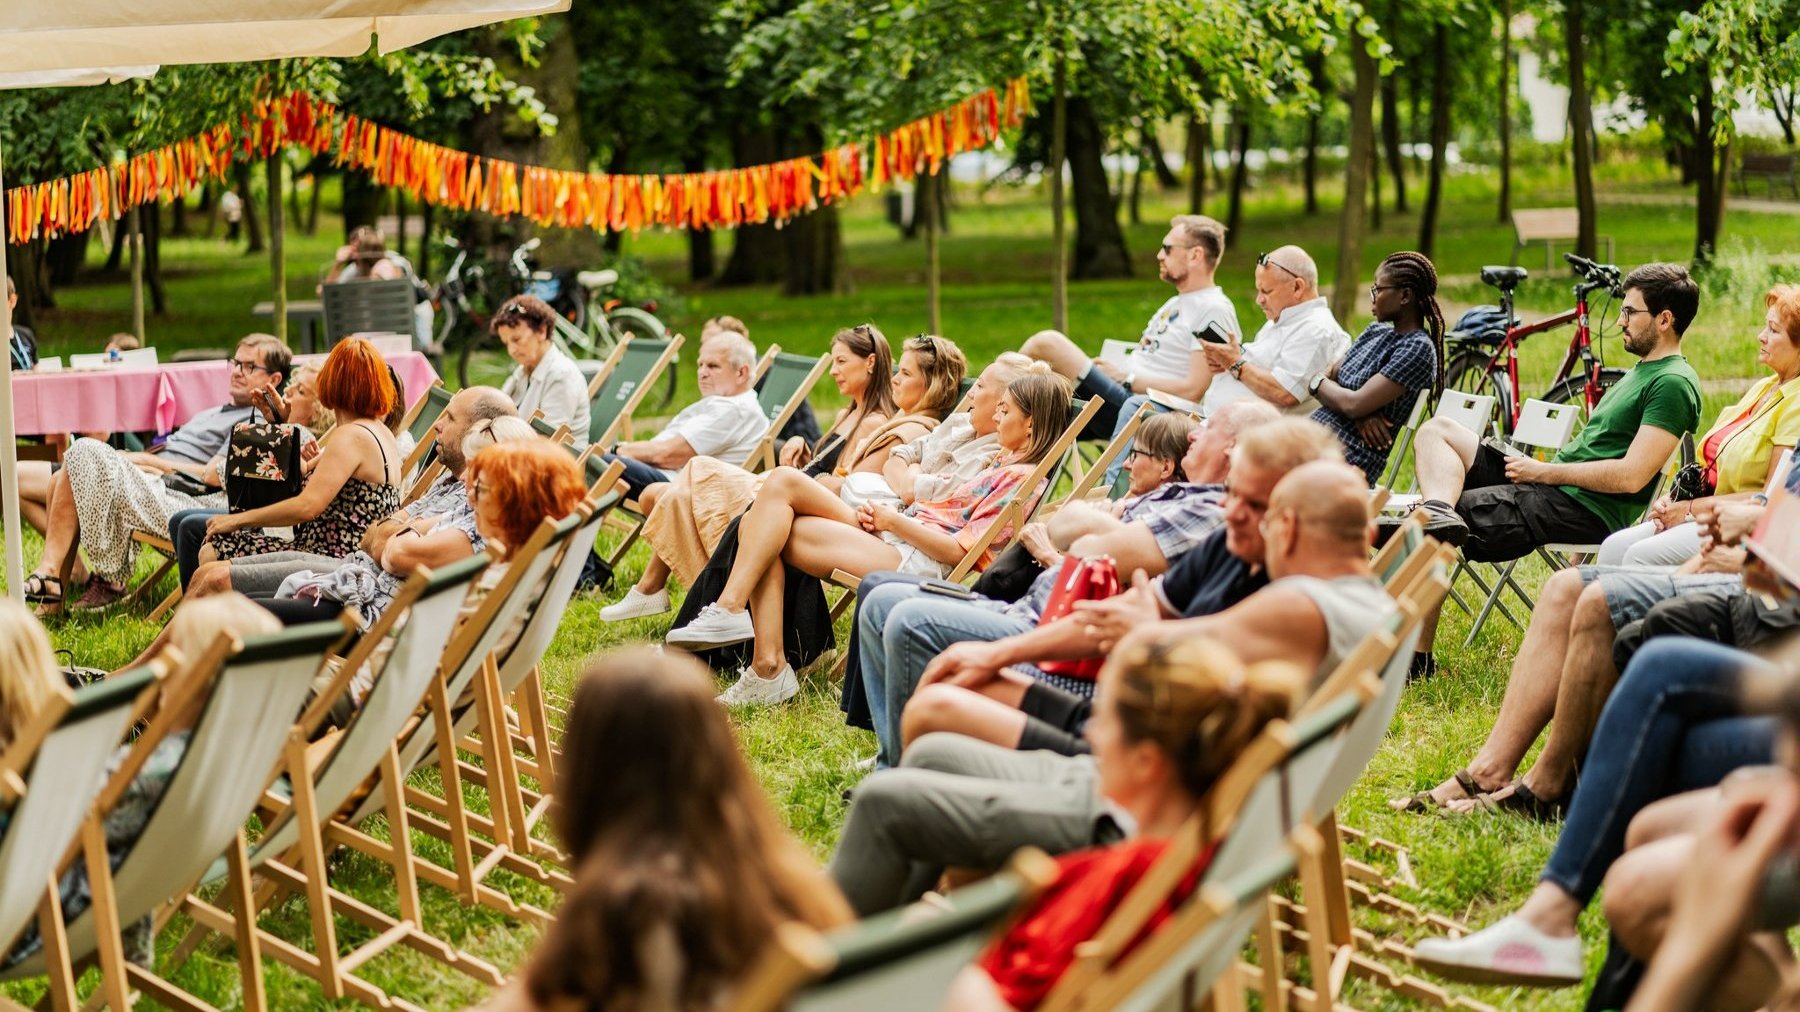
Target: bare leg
[1530, 698]
[962, 711]
[64, 529]
[656, 576]
[819, 546]
[1444, 452]
[1056, 349]
[766, 528]
[1587, 679]
[1551, 911]
[211, 578]
[208, 554]
[767, 615]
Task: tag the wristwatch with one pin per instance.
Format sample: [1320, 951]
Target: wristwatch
[1312, 389]
[1130, 378]
[1236, 369]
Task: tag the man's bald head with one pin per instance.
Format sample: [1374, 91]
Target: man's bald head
[1329, 501]
[1285, 278]
[467, 407]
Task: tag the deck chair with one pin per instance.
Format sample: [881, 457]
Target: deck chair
[1121, 442]
[49, 777]
[318, 778]
[424, 415]
[895, 962]
[243, 700]
[791, 379]
[411, 421]
[614, 394]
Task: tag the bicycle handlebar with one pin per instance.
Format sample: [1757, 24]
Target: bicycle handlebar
[1597, 275]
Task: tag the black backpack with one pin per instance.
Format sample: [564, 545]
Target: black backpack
[262, 465]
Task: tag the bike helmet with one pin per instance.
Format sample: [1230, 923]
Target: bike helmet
[1482, 325]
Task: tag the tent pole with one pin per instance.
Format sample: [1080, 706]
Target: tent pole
[9, 444]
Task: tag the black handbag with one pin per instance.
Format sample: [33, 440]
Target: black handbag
[1690, 481]
[262, 465]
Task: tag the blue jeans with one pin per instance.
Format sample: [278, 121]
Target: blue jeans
[855, 701]
[638, 475]
[902, 628]
[1671, 725]
[1113, 396]
[187, 531]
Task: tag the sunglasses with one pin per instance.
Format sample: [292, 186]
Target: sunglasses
[1265, 260]
[1168, 247]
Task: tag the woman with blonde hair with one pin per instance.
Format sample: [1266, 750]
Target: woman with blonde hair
[1170, 718]
[815, 533]
[684, 869]
[29, 675]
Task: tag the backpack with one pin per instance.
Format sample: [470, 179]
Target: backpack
[262, 465]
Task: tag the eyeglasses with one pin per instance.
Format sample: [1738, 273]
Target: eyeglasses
[239, 365]
[1375, 290]
[1265, 260]
[1135, 452]
[1630, 311]
[1167, 246]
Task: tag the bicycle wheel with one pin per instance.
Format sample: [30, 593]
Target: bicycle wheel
[1573, 390]
[638, 323]
[1472, 372]
[482, 362]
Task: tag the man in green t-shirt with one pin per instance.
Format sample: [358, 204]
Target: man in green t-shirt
[1505, 507]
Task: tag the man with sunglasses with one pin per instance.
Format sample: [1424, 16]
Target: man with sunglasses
[1167, 356]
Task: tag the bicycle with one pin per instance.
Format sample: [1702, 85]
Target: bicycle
[587, 326]
[1487, 362]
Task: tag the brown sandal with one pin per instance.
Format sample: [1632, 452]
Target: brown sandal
[1423, 801]
[1524, 801]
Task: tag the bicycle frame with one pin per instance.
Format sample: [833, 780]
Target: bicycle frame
[1581, 348]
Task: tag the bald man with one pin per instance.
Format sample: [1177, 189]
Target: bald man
[959, 801]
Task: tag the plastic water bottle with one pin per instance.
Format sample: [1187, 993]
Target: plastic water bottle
[113, 357]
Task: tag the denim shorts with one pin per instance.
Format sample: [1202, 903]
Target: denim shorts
[1631, 591]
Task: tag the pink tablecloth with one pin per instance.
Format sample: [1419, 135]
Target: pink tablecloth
[158, 400]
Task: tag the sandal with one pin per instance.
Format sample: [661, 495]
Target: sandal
[1522, 800]
[1423, 801]
[38, 589]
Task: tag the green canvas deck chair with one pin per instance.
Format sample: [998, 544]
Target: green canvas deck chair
[319, 777]
[242, 698]
[1120, 442]
[419, 423]
[901, 960]
[791, 379]
[615, 394]
[49, 778]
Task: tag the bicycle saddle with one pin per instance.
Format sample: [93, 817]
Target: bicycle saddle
[1504, 278]
[597, 279]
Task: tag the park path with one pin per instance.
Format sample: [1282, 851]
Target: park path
[1789, 207]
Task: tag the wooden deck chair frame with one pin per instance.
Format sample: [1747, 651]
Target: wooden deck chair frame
[763, 458]
[1403, 440]
[620, 424]
[1121, 440]
[50, 776]
[418, 408]
[892, 952]
[149, 583]
[238, 697]
[436, 398]
[323, 775]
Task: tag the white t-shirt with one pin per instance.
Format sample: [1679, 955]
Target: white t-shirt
[1167, 346]
[1294, 347]
[725, 428]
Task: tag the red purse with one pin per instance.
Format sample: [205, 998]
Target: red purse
[1078, 580]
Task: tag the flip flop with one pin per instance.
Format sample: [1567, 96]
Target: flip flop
[1524, 801]
[1423, 801]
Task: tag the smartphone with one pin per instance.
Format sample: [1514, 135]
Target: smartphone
[947, 589]
[1212, 335]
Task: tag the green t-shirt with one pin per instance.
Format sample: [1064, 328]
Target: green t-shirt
[1664, 393]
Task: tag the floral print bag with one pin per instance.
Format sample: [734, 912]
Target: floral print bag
[262, 465]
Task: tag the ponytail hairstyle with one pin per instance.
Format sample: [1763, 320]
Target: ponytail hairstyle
[1044, 397]
[865, 340]
[1414, 272]
[1197, 703]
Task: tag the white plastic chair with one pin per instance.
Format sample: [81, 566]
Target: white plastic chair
[1474, 412]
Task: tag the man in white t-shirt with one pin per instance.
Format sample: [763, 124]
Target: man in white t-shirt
[724, 423]
[1167, 356]
[1297, 345]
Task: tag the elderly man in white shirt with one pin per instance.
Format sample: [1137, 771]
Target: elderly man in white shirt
[1299, 342]
[725, 423]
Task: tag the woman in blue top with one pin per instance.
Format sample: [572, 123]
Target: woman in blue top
[1368, 393]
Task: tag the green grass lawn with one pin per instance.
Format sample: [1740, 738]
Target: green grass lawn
[996, 262]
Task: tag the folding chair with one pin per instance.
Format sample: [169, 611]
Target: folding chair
[895, 962]
[424, 415]
[242, 698]
[1121, 442]
[366, 307]
[1474, 412]
[791, 379]
[49, 777]
[1403, 441]
[615, 393]
[166, 548]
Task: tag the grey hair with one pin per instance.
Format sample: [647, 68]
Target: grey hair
[1297, 262]
[738, 349]
[490, 404]
[491, 431]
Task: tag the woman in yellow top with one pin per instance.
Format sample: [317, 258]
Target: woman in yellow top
[1741, 454]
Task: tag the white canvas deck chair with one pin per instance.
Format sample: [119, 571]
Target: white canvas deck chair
[242, 698]
[895, 962]
[49, 778]
[317, 778]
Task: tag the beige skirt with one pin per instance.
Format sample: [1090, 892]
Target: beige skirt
[691, 517]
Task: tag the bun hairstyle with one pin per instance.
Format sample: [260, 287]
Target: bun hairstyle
[1044, 397]
[1196, 702]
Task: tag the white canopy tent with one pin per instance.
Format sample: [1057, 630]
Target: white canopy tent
[56, 44]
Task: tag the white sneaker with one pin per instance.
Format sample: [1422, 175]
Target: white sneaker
[714, 627]
[636, 604]
[1510, 951]
[751, 689]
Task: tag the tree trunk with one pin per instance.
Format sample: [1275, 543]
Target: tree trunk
[1390, 138]
[1197, 129]
[134, 242]
[814, 241]
[1356, 176]
[65, 255]
[929, 189]
[1099, 241]
[1374, 185]
[1440, 137]
[1059, 229]
[363, 202]
[252, 224]
[25, 263]
[317, 170]
[1506, 59]
[756, 254]
[178, 218]
[294, 212]
[153, 277]
[1315, 64]
[1712, 166]
[1159, 164]
[277, 247]
[1239, 170]
[113, 255]
[1782, 101]
[701, 262]
[426, 215]
[1581, 124]
[399, 220]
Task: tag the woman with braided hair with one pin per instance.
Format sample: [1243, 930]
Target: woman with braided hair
[1367, 394]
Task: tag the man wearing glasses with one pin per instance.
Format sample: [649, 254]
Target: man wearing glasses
[1167, 356]
[1299, 342]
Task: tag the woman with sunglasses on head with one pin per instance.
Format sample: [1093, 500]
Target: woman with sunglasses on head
[1368, 393]
[546, 380]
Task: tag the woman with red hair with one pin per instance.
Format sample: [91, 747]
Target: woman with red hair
[353, 482]
[516, 486]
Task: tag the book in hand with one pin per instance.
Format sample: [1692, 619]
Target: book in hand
[1116, 352]
[1502, 447]
[1776, 540]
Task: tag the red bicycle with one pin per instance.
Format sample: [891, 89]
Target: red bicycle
[1486, 362]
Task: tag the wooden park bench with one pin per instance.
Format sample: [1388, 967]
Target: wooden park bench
[1773, 168]
[1549, 225]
